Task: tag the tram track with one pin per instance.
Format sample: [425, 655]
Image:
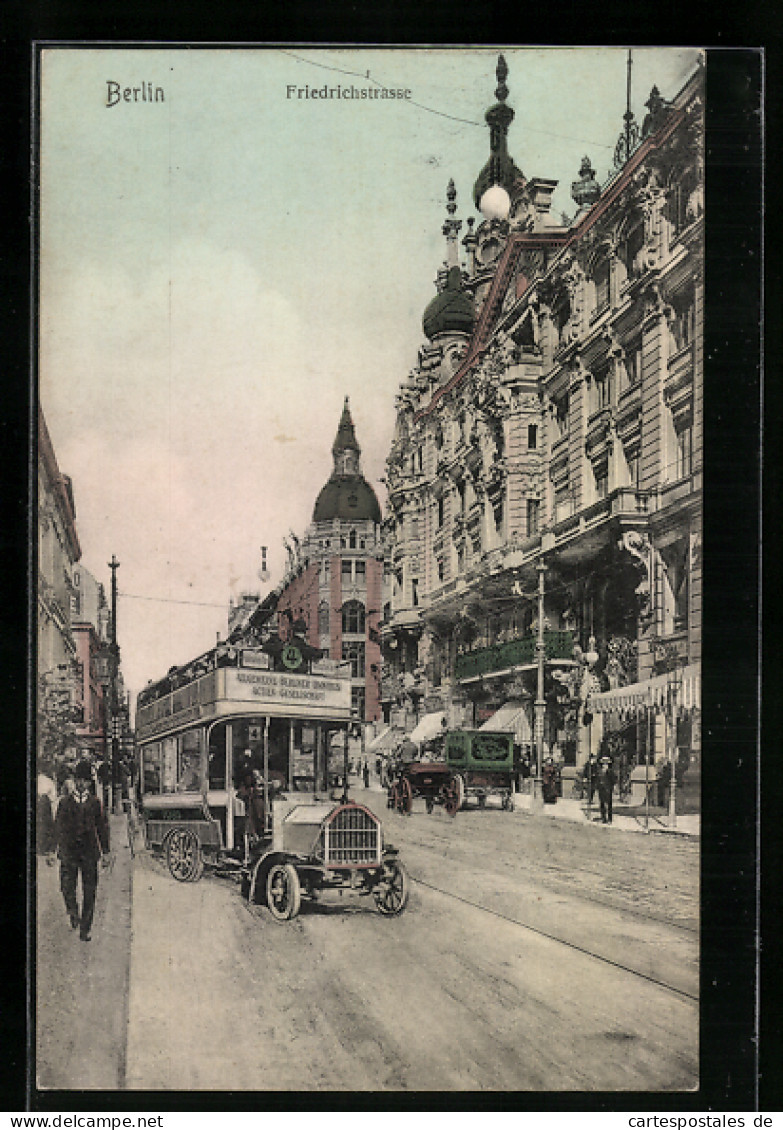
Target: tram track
[554, 938]
[561, 881]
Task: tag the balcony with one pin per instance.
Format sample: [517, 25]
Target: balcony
[513, 653]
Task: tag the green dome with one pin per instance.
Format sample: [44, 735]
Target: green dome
[451, 311]
[348, 497]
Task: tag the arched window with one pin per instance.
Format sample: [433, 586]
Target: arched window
[353, 617]
[323, 618]
[352, 540]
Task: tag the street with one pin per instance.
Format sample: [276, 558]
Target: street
[533, 955]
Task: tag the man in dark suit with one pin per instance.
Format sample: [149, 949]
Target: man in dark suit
[82, 837]
[606, 782]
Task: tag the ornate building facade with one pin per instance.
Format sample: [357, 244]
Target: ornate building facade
[554, 419]
[58, 551]
[331, 593]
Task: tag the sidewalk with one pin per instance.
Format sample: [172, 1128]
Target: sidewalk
[634, 820]
[624, 817]
[82, 987]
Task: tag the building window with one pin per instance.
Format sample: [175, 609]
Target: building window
[602, 388]
[357, 702]
[360, 568]
[323, 618]
[631, 368]
[632, 461]
[440, 511]
[684, 458]
[353, 653]
[497, 512]
[461, 496]
[601, 280]
[346, 567]
[532, 437]
[631, 247]
[352, 539]
[533, 516]
[560, 415]
[415, 592]
[561, 315]
[676, 587]
[353, 617]
[440, 569]
[601, 481]
[562, 502]
[681, 325]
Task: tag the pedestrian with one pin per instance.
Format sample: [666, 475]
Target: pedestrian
[82, 836]
[590, 777]
[605, 782]
[44, 816]
[549, 781]
[366, 775]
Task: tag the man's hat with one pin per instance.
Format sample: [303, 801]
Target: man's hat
[606, 759]
[83, 771]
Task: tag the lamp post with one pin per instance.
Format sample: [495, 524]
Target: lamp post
[113, 705]
[672, 697]
[540, 703]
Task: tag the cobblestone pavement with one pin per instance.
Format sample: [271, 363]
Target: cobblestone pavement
[654, 875]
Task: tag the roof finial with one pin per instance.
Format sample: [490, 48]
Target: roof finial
[500, 169]
[451, 227]
[629, 138]
[501, 73]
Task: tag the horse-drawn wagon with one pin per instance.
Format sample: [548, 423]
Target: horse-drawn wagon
[479, 764]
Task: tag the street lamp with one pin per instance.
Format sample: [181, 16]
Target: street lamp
[540, 703]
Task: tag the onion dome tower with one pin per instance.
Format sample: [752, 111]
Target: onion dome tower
[500, 178]
[452, 310]
[347, 494]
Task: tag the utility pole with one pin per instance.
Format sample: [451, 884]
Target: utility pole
[113, 671]
[540, 703]
[672, 700]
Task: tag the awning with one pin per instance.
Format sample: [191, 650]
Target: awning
[510, 719]
[387, 739]
[681, 687]
[429, 727]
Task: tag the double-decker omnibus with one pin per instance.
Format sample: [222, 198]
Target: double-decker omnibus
[206, 724]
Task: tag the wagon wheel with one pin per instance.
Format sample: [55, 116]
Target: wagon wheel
[183, 856]
[283, 891]
[454, 795]
[406, 795]
[391, 893]
[392, 796]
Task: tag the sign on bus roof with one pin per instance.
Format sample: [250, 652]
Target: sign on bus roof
[239, 691]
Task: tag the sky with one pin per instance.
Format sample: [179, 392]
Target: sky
[219, 269]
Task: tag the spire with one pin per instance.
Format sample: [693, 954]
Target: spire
[347, 494]
[629, 138]
[346, 436]
[500, 168]
[451, 227]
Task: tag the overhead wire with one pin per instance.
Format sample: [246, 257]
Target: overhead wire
[367, 77]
